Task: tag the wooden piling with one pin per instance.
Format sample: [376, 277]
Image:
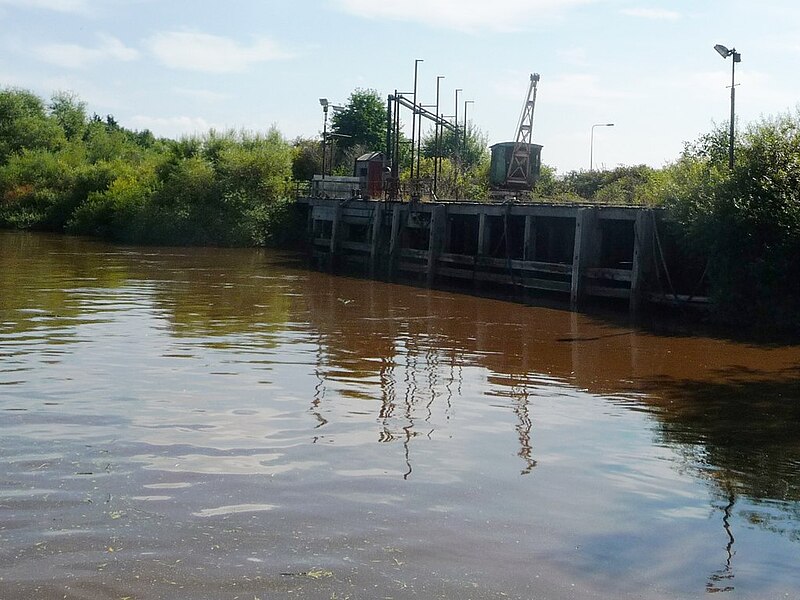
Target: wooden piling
[374, 250]
[394, 240]
[587, 247]
[336, 234]
[435, 240]
[642, 256]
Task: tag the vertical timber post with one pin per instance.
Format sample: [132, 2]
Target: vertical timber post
[435, 240]
[642, 256]
[587, 244]
[529, 245]
[374, 250]
[336, 233]
[483, 234]
[394, 240]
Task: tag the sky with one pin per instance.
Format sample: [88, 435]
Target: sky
[181, 67]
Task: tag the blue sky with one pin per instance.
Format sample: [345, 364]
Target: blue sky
[179, 66]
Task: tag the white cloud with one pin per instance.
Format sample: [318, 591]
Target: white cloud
[656, 14]
[75, 56]
[172, 127]
[208, 53]
[583, 90]
[577, 57]
[66, 6]
[463, 15]
[202, 95]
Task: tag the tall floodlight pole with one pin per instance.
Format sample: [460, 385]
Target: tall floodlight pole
[456, 116]
[414, 114]
[591, 143]
[725, 53]
[464, 144]
[436, 138]
[324, 103]
[455, 146]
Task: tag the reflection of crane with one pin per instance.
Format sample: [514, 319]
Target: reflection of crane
[519, 167]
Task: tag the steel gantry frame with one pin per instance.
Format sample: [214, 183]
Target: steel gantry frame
[395, 102]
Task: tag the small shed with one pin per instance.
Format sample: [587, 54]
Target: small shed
[369, 168]
[501, 159]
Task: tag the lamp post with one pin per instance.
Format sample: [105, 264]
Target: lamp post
[414, 114]
[436, 138]
[591, 143]
[464, 144]
[725, 53]
[324, 103]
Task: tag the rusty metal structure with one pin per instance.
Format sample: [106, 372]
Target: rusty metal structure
[519, 167]
[419, 111]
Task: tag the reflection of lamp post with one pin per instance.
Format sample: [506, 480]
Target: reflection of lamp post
[324, 103]
[725, 53]
[591, 143]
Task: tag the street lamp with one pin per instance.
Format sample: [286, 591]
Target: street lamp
[414, 115]
[436, 138]
[324, 104]
[591, 143]
[725, 53]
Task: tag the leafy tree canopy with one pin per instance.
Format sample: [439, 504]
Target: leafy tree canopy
[470, 149]
[361, 122]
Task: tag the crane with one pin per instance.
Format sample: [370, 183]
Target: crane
[519, 167]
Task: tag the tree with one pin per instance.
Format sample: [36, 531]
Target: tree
[470, 150]
[361, 122]
[24, 124]
[306, 159]
[70, 112]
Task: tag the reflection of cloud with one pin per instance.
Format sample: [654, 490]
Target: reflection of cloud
[75, 56]
[256, 464]
[463, 15]
[194, 51]
[656, 14]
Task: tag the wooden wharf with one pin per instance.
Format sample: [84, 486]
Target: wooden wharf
[580, 252]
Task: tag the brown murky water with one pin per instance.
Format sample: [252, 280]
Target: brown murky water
[202, 423]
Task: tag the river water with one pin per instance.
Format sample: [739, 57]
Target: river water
[206, 423]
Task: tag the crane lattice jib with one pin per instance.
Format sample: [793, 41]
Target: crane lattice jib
[519, 167]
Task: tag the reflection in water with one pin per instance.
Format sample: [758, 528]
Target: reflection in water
[305, 420]
[718, 582]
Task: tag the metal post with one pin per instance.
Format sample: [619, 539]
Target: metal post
[455, 148]
[464, 145]
[733, 111]
[436, 138]
[324, 136]
[414, 115]
[591, 143]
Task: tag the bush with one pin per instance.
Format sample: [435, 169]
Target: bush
[746, 220]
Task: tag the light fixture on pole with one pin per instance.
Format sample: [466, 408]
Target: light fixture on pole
[591, 143]
[725, 53]
[324, 104]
